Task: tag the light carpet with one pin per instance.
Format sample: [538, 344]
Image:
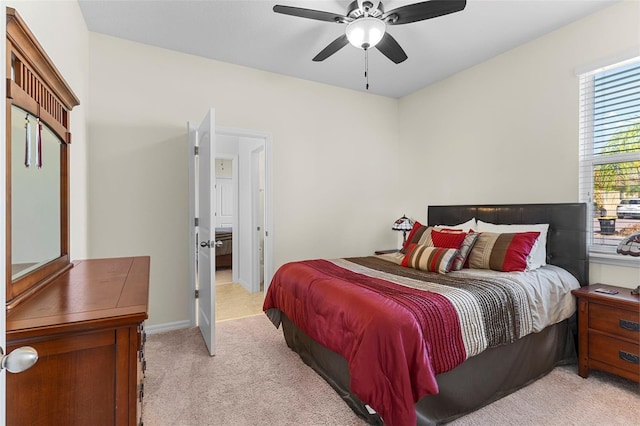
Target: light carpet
[255, 379]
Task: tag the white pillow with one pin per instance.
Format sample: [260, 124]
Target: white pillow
[538, 255]
[470, 224]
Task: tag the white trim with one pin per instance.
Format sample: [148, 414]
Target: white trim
[268, 212]
[244, 284]
[606, 62]
[168, 326]
[192, 137]
[257, 225]
[614, 259]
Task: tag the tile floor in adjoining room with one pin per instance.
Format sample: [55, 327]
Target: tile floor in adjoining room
[232, 300]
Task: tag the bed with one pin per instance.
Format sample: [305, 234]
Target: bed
[224, 251]
[393, 375]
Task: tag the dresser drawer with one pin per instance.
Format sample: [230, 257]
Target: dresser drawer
[623, 355]
[616, 321]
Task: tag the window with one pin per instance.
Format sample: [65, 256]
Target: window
[610, 153]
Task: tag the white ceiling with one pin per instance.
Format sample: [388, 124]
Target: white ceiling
[249, 33]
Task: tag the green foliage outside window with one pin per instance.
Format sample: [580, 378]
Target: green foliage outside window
[622, 177]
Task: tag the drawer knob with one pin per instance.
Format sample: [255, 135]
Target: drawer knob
[626, 356]
[629, 325]
[19, 360]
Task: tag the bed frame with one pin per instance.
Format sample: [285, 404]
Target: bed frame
[566, 238]
[495, 372]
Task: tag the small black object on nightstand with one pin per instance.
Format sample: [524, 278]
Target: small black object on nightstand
[386, 251]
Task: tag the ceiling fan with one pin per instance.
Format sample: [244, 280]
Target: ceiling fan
[367, 23]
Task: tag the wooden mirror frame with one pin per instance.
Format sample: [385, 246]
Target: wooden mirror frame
[35, 85]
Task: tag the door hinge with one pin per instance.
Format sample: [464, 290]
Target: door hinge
[195, 221]
[197, 294]
[196, 150]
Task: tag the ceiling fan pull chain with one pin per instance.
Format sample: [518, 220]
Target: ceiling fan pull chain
[366, 67]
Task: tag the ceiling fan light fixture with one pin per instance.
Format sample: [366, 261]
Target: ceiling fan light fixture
[366, 32]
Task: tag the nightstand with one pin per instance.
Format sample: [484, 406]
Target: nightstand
[386, 251]
[608, 331]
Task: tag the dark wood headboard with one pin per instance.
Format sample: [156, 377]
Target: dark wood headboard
[566, 239]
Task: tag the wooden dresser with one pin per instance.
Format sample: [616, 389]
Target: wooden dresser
[609, 331]
[87, 326]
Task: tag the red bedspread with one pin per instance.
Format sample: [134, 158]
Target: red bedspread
[388, 333]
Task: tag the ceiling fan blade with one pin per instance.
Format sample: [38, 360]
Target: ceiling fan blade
[421, 11]
[391, 49]
[332, 48]
[310, 14]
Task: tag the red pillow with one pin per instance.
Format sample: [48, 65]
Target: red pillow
[427, 235]
[447, 238]
[502, 252]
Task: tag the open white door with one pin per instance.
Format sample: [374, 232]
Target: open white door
[206, 200]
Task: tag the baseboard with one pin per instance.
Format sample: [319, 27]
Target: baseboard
[169, 326]
[244, 285]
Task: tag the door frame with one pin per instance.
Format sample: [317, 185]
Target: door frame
[255, 219]
[268, 211]
[192, 131]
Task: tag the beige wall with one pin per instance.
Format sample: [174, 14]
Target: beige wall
[506, 130]
[334, 156]
[346, 164]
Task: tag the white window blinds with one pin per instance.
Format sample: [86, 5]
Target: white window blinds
[610, 152]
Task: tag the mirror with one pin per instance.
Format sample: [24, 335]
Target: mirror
[35, 193]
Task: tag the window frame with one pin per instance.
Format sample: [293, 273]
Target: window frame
[588, 160]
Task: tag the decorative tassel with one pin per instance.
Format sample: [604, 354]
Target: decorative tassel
[39, 144]
[27, 141]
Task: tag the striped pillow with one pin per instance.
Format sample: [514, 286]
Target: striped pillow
[431, 259]
[464, 250]
[414, 236]
[502, 252]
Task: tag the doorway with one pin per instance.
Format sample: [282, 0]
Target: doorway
[243, 209]
[238, 289]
